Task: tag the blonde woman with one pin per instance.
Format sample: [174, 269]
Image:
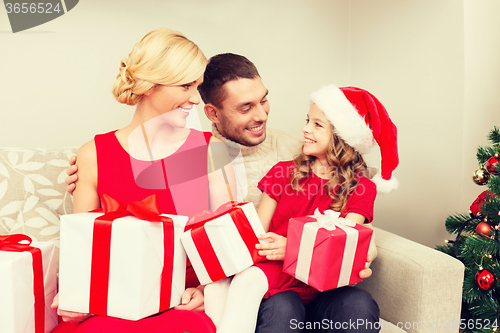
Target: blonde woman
[154, 154]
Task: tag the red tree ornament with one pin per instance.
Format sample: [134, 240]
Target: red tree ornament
[491, 165]
[475, 207]
[485, 279]
[484, 229]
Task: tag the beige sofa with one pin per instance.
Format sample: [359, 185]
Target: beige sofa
[417, 288]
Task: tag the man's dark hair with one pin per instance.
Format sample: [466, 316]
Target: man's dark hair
[222, 68]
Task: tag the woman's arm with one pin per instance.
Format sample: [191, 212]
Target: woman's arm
[85, 195]
[85, 198]
[220, 187]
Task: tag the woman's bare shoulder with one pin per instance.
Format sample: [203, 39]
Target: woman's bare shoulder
[87, 152]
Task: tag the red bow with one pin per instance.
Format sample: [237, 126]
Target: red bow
[206, 215]
[148, 209]
[17, 243]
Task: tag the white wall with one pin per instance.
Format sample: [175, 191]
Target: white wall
[55, 79]
[482, 86]
[433, 63]
[410, 55]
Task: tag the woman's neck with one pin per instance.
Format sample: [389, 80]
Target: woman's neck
[148, 137]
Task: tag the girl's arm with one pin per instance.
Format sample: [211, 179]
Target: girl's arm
[275, 249]
[355, 217]
[372, 252]
[85, 196]
[266, 209]
[220, 186]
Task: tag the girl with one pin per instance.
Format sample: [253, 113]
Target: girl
[329, 174]
[149, 156]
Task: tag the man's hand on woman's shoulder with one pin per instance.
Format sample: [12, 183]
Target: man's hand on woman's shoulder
[72, 176]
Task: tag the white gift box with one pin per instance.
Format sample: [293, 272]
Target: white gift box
[135, 269]
[226, 252]
[16, 289]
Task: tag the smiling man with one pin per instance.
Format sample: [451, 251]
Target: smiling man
[236, 102]
[244, 112]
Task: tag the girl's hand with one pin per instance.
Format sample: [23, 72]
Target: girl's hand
[275, 249]
[69, 316]
[192, 299]
[367, 272]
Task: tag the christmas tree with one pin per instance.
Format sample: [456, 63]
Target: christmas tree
[477, 244]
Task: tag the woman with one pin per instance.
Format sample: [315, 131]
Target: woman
[149, 156]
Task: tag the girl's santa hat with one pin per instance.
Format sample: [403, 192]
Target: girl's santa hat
[360, 119]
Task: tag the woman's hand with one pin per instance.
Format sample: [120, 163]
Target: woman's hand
[69, 316]
[275, 249]
[192, 299]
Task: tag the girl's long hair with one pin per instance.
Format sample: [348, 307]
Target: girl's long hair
[345, 164]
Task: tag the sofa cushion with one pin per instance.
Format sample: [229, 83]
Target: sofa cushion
[33, 192]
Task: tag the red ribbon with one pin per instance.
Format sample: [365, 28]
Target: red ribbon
[147, 209]
[204, 247]
[204, 216]
[13, 243]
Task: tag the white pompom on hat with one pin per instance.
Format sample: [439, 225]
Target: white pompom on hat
[359, 119]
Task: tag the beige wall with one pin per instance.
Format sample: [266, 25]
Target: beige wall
[433, 63]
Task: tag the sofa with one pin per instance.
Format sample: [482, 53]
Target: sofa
[418, 289]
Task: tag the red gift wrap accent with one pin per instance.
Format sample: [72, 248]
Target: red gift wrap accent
[17, 243]
[147, 209]
[328, 251]
[207, 254]
[202, 242]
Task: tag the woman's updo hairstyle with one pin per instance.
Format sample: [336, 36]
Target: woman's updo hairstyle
[163, 56]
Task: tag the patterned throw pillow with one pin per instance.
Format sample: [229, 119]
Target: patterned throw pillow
[33, 192]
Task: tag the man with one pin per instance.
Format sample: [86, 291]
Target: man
[236, 102]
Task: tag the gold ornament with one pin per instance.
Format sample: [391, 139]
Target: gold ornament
[480, 176]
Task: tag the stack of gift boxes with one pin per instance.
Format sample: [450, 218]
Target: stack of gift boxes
[129, 261]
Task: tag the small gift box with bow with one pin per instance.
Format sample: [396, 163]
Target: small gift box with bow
[28, 280]
[222, 243]
[325, 251]
[126, 263]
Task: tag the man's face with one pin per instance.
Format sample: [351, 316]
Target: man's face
[243, 113]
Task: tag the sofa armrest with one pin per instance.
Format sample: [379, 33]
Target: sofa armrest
[416, 286]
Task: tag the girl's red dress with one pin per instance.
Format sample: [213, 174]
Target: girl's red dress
[181, 182]
[291, 203]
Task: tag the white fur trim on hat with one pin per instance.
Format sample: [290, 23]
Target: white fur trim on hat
[346, 121]
[385, 186]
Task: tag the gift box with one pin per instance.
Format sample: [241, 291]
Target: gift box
[222, 243]
[28, 285]
[325, 251]
[128, 263]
